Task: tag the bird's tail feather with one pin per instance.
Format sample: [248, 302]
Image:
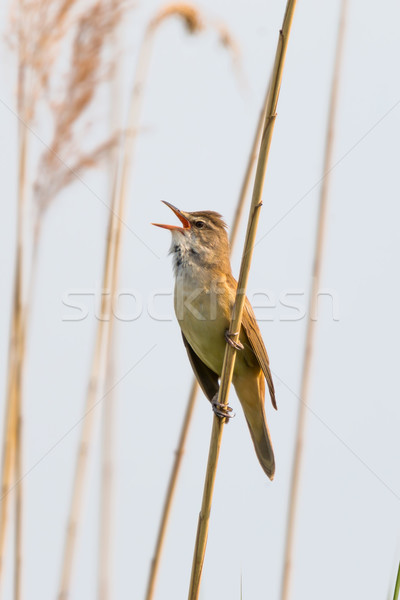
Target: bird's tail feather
[251, 395]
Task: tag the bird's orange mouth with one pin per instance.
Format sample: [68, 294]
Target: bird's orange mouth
[183, 220]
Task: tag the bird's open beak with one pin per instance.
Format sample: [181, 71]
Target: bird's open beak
[181, 217]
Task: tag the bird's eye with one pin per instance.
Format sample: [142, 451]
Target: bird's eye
[199, 224]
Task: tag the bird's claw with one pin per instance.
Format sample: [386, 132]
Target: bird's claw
[222, 410]
[228, 338]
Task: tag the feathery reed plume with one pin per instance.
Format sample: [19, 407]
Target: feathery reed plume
[62, 161]
[187, 419]
[312, 309]
[229, 358]
[37, 29]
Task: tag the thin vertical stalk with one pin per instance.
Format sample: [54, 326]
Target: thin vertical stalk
[107, 417]
[230, 352]
[12, 404]
[12, 456]
[87, 426]
[12, 436]
[187, 419]
[106, 496]
[312, 310]
[119, 198]
[94, 386]
[397, 586]
[17, 371]
[18, 504]
[8, 460]
[155, 563]
[248, 174]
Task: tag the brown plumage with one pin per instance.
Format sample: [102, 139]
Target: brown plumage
[205, 292]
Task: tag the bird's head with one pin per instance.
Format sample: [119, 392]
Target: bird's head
[201, 235]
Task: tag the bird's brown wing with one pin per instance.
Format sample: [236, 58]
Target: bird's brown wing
[207, 379]
[253, 334]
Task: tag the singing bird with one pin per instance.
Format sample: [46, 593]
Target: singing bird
[205, 291]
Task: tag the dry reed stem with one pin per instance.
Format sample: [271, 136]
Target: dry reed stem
[104, 569]
[187, 419]
[12, 404]
[103, 333]
[12, 447]
[18, 372]
[18, 544]
[95, 384]
[248, 174]
[18, 351]
[9, 443]
[12, 450]
[230, 353]
[169, 497]
[106, 495]
[12, 462]
[311, 324]
[10, 425]
[108, 415]
[80, 470]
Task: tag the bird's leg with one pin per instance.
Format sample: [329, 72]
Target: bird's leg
[221, 410]
[228, 338]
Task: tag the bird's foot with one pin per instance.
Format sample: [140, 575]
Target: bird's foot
[221, 410]
[228, 338]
